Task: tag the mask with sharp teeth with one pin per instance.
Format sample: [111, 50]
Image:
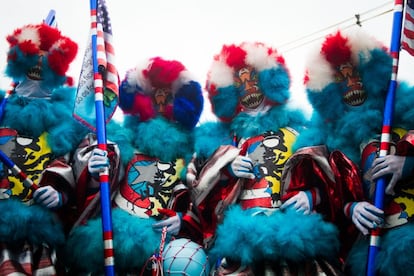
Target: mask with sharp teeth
[247, 78]
[354, 93]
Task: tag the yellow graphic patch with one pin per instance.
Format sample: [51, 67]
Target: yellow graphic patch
[32, 156]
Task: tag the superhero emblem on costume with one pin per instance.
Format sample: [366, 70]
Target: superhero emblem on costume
[269, 153]
[149, 185]
[246, 80]
[31, 155]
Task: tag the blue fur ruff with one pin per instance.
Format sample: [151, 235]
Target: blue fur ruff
[133, 238]
[245, 125]
[394, 257]
[288, 235]
[32, 117]
[34, 224]
[209, 137]
[161, 138]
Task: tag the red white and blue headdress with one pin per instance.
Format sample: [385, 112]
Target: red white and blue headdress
[346, 83]
[246, 76]
[40, 52]
[162, 87]
[350, 70]
[340, 59]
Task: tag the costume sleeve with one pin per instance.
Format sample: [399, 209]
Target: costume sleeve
[210, 192]
[86, 187]
[182, 202]
[336, 177]
[198, 201]
[59, 175]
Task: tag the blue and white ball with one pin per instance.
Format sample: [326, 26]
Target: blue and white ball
[184, 257]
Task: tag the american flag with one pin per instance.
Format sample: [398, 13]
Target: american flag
[84, 109]
[407, 41]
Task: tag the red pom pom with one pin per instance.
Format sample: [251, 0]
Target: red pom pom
[162, 73]
[235, 56]
[143, 107]
[336, 49]
[48, 36]
[62, 55]
[28, 48]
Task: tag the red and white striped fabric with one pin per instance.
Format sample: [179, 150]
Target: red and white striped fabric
[84, 109]
[105, 49]
[407, 41]
[37, 260]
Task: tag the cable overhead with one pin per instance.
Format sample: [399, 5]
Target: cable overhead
[356, 20]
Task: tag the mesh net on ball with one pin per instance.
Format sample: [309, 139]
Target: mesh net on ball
[184, 257]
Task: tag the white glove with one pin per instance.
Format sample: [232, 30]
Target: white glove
[242, 166]
[301, 202]
[397, 166]
[47, 196]
[173, 224]
[98, 162]
[366, 216]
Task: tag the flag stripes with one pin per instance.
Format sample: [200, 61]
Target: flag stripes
[407, 41]
[84, 109]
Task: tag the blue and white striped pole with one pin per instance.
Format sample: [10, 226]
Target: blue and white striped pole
[102, 144]
[374, 245]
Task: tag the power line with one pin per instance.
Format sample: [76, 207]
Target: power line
[321, 32]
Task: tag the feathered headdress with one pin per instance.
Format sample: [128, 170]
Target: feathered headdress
[40, 52]
[246, 76]
[162, 87]
[347, 69]
[346, 83]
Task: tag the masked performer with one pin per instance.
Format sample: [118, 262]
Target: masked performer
[237, 187]
[38, 135]
[347, 82]
[162, 104]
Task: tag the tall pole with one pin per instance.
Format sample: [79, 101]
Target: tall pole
[102, 144]
[381, 183]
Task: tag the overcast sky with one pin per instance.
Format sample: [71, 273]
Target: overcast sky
[192, 31]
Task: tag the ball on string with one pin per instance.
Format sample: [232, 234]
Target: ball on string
[185, 257]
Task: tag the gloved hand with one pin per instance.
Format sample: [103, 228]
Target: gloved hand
[397, 166]
[47, 196]
[98, 162]
[173, 224]
[366, 216]
[242, 166]
[301, 202]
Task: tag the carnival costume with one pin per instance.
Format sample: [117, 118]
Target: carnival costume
[161, 104]
[346, 83]
[38, 134]
[238, 166]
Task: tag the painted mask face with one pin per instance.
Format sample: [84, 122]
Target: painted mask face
[35, 73]
[246, 80]
[354, 93]
[161, 99]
